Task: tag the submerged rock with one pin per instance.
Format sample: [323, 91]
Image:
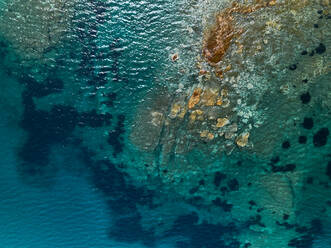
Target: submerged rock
[221, 35]
[242, 139]
[34, 27]
[195, 98]
[251, 99]
[146, 131]
[227, 116]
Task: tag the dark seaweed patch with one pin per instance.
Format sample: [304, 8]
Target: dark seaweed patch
[3, 50]
[286, 225]
[316, 226]
[194, 190]
[286, 168]
[224, 190]
[286, 144]
[328, 170]
[274, 160]
[305, 241]
[98, 80]
[115, 136]
[93, 119]
[310, 180]
[233, 184]
[3, 44]
[223, 204]
[44, 129]
[255, 220]
[320, 49]
[305, 98]
[301, 229]
[202, 235]
[218, 178]
[308, 123]
[111, 97]
[321, 137]
[122, 199]
[92, 54]
[292, 67]
[302, 139]
[196, 200]
[35, 89]
[100, 11]
[308, 234]
[182, 244]
[129, 230]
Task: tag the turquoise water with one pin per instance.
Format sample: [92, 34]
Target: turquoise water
[94, 154]
[59, 204]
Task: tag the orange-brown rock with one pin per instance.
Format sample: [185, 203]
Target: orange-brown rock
[228, 68]
[193, 117]
[174, 57]
[242, 139]
[182, 112]
[221, 122]
[175, 110]
[209, 97]
[224, 92]
[204, 134]
[219, 101]
[199, 112]
[210, 136]
[272, 2]
[218, 39]
[203, 72]
[195, 98]
[219, 73]
[196, 115]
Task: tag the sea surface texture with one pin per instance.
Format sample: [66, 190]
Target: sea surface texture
[165, 124]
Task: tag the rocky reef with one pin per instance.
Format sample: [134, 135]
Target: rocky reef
[235, 128]
[34, 27]
[257, 67]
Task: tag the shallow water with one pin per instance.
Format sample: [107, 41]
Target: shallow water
[95, 153]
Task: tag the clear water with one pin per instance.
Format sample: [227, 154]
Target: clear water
[76, 86]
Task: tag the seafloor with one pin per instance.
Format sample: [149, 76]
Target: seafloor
[159, 123]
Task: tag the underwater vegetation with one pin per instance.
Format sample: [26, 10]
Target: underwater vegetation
[223, 133]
